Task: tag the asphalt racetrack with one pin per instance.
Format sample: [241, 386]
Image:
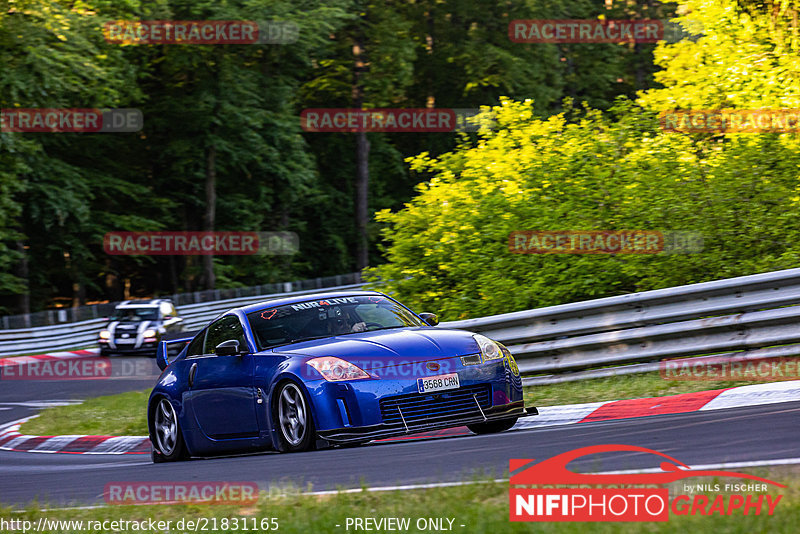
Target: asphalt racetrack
[747, 434]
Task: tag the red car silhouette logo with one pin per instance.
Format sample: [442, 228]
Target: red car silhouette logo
[554, 470]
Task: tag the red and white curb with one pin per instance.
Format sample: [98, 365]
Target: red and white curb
[21, 360]
[718, 399]
[758, 394]
[12, 440]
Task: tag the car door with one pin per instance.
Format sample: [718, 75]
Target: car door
[222, 395]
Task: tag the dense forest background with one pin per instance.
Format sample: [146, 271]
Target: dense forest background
[222, 148]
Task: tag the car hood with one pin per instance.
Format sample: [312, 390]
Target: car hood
[373, 350]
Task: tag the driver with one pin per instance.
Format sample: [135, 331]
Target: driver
[343, 322]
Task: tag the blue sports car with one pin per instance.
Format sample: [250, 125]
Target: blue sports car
[311, 371]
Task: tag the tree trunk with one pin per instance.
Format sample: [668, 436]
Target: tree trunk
[209, 278]
[362, 161]
[24, 298]
[173, 275]
[430, 41]
[113, 289]
[362, 200]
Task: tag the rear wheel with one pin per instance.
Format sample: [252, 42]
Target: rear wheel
[168, 442]
[493, 426]
[293, 418]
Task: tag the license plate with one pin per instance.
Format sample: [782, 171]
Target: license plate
[438, 383]
[125, 341]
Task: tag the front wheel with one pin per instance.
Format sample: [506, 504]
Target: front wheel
[293, 419]
[492, 427]
[168, 445]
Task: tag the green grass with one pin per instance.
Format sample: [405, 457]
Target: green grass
[480, 507]
[124, 414]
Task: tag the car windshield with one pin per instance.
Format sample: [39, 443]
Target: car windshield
[316, 319]
[135, 314]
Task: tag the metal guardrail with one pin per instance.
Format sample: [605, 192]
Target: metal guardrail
[84, 333]
[737, 317]
[738, 314]
[80, 314]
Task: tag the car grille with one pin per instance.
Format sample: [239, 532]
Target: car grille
[421, 408]
[125, 329]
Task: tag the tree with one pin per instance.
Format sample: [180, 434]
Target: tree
[53, 56]
[448, 248]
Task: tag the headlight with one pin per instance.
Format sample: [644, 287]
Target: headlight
[149, 333]
[489, 349]
[335, 369]
[105, 334]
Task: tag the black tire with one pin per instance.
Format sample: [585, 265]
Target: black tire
[294, 424]
[104, 352]
[493, 427]
[167, 438]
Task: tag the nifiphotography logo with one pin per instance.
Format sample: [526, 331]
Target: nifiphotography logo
[559, 494]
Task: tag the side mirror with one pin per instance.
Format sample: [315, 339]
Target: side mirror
[228, 348]
[429, 318]
[162, 356]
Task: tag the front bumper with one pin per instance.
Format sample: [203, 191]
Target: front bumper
[146, 347]
[368, 409]
[345, 435]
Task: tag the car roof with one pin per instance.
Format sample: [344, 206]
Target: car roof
[294, 299]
